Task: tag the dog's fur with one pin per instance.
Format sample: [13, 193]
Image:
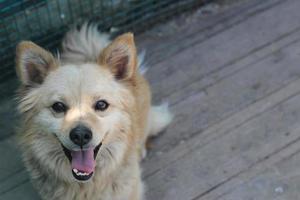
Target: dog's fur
[89, 68]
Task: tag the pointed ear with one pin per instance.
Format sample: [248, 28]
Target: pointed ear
[120, 57]
[33, 63]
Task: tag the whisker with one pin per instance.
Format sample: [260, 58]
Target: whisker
[110, 153]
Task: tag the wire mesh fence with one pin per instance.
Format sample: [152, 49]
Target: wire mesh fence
[45, 21]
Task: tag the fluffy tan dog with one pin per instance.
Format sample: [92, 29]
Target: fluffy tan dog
[86, 115]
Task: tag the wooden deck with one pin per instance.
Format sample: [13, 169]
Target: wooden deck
[232, 77]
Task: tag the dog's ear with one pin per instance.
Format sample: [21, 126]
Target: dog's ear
[120, 57]
[33, 63]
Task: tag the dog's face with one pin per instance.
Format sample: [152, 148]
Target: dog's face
[85, 107]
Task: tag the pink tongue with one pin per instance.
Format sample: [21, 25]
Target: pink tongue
[83, 160]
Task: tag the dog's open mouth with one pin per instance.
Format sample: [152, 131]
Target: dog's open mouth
[82, 162]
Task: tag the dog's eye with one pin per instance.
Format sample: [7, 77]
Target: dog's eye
[101, 105]
[59, 107]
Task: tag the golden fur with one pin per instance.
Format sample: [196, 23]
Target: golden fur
[122, 128]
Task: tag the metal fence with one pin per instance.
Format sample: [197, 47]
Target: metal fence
[45, 21]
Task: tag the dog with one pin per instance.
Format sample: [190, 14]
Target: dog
[85, 116]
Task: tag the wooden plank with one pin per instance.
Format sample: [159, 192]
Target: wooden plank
[13, 181]
[167, 39]
[9, 117]
[172, 138]
[277, 180]
[11, 159]
[23, 191]
[160, 161]
[223, 49]
[218, 102]
[12, 171]
[213, 164]
[217, 76]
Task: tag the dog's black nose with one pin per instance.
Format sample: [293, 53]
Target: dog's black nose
[81, 135]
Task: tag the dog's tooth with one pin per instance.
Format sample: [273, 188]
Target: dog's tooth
[78, 173]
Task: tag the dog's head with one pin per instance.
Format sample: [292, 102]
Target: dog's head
[85, 107]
